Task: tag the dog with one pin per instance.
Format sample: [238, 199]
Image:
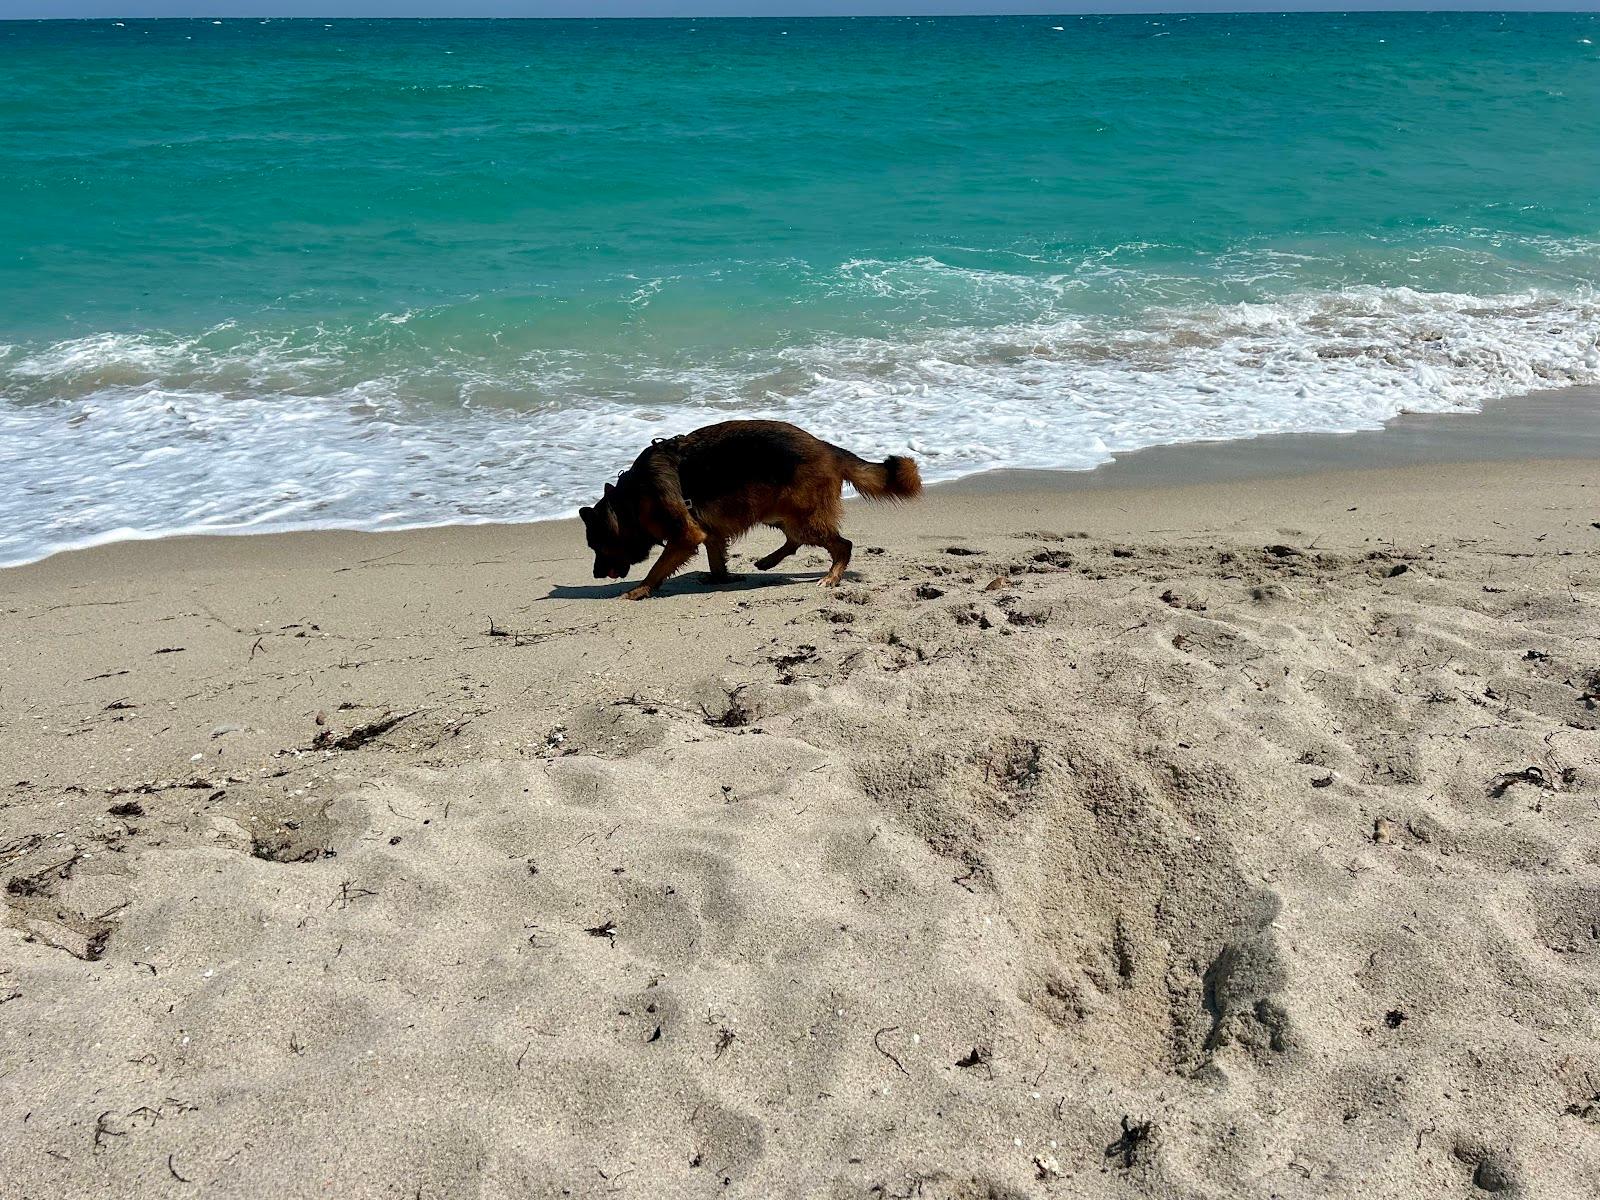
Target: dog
[708, 487]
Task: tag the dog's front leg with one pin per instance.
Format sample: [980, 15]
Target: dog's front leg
[673, 556]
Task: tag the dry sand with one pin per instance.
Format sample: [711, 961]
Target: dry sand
[1238, 838]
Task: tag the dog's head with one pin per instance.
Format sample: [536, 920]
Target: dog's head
[617, 541]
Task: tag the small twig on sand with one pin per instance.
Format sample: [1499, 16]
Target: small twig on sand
[1535, 776]
[102, 1131]
[876, 1045]
[1126, 1147]
[361, 734]
[348, 895]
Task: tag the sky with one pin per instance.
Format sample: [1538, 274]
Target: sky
[708, 8]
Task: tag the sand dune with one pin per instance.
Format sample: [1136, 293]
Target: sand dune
[1227, 840]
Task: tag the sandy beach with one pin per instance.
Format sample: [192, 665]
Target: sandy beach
[1176, 830]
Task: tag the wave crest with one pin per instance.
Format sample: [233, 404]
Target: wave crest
[118, 434]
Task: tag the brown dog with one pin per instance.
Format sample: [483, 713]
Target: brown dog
[710, 486]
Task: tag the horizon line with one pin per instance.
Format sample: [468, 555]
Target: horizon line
[1575, 9]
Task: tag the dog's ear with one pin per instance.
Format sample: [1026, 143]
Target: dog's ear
[611, 490]
[584, 514]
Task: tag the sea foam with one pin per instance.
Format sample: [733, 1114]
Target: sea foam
[124, 435]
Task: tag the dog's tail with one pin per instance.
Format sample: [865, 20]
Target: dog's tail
[895, 478]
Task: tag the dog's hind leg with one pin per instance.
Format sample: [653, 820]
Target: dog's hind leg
[717, 555]
[777, 556]
[839, 547]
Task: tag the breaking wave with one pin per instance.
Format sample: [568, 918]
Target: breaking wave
[406, 420]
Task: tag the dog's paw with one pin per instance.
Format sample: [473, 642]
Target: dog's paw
[767, 563]
[638, 593]
[716, 577]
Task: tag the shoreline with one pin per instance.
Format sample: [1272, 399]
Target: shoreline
[1557, 424]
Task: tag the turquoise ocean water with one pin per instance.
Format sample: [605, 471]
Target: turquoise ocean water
[276, 274]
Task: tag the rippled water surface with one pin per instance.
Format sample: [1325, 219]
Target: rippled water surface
[267, 275]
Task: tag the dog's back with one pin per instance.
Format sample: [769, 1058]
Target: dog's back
[773, 466]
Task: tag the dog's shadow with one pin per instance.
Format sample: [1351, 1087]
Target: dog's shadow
[689, 584]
